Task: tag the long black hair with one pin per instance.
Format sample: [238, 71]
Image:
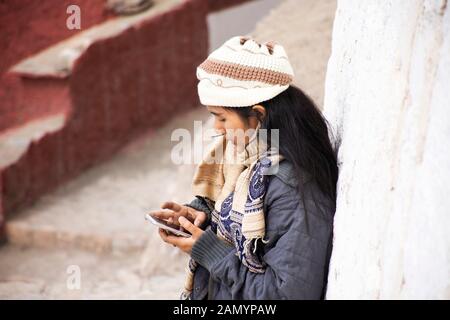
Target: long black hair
[304, 138]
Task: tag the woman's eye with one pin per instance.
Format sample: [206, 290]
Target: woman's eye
[222, 120]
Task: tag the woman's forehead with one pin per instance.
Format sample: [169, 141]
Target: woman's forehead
[215, 109]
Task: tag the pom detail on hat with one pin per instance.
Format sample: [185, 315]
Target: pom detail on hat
[243, 72]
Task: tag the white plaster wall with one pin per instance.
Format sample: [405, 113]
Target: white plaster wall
[387, 96]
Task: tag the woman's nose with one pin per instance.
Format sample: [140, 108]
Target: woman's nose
[219, 127]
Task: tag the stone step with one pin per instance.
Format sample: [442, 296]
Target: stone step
[103, 209]
[14, 142]
[58, 60]
[101, 78]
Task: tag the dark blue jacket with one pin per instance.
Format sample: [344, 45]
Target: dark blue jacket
[297, 254]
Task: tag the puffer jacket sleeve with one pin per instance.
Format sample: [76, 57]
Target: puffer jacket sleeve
[296, 256]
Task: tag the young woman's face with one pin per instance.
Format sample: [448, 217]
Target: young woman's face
[228, 122]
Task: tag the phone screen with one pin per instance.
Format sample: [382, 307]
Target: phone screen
[171, 227]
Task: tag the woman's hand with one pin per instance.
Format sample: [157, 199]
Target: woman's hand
[177, 210]
[185, 244]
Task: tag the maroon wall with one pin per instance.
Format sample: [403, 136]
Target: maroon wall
[28, 26]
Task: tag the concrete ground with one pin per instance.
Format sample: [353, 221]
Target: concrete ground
[36, 273]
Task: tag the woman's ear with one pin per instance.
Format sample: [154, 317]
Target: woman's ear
[260, 111]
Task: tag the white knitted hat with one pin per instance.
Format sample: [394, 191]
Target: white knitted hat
[243, 73]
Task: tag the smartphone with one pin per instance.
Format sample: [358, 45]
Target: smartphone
[173, 228]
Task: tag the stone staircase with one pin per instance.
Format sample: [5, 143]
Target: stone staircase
[107, 85]
[96, 221]
[61, 209]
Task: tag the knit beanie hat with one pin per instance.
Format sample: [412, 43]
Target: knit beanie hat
[243, 73]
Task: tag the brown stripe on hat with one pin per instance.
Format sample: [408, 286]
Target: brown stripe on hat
[245, 73]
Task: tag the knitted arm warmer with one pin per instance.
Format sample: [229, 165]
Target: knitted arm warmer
[200, 204]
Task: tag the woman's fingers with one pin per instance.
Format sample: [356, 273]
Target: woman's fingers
[199, 218]
[162, 214]
[171, 206]
[175, 211]
[162, 234]
[186, 224]
[173, 240]
[169, 216]
[178, 210]
[196, 216]
[184, 244]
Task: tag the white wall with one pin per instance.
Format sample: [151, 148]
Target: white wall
[387, 96]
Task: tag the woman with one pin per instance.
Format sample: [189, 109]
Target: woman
[261, 224]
